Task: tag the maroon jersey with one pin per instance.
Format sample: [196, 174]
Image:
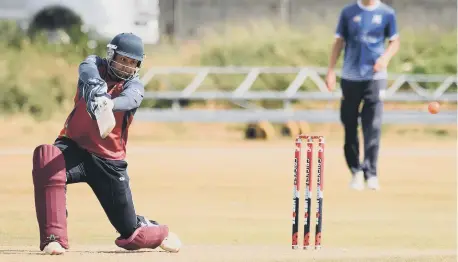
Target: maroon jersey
[84, 131]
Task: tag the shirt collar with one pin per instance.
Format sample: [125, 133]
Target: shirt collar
[368, 8]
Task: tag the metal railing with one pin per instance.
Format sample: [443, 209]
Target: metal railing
[242, 93]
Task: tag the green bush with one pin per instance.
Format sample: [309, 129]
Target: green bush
[38, 78]
[263, 44]
[428, 52]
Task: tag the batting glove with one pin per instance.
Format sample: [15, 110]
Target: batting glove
[94, 87]
[94, 104]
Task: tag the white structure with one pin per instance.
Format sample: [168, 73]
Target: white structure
[104, 17]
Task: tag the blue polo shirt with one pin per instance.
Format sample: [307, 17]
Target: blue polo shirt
[365, 30]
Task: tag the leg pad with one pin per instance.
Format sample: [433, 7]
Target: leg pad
[49, 179]
[144, 237]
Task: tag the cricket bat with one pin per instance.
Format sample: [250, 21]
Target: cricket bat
[104, 116]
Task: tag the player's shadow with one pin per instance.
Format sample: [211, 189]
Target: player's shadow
[39, 253]
[20, 252]
[118, 252]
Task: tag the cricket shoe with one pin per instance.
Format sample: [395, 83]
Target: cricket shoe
[357, 181]
[372, 183]
[54, 248]
[171, 243]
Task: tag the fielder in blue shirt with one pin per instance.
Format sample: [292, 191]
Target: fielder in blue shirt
[363, 29]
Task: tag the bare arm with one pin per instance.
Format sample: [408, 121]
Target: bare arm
[339, 42]
[392, 49]
[335, 52]
[391, 32]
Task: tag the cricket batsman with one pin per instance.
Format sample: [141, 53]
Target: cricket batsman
[80, 154]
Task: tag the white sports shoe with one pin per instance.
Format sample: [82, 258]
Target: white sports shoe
[171, 243]
[372, 183]
[357, 181]
[54, 248]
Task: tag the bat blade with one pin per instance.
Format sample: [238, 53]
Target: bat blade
[105, 117]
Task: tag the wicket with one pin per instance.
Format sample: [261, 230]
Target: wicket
[308, 191]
